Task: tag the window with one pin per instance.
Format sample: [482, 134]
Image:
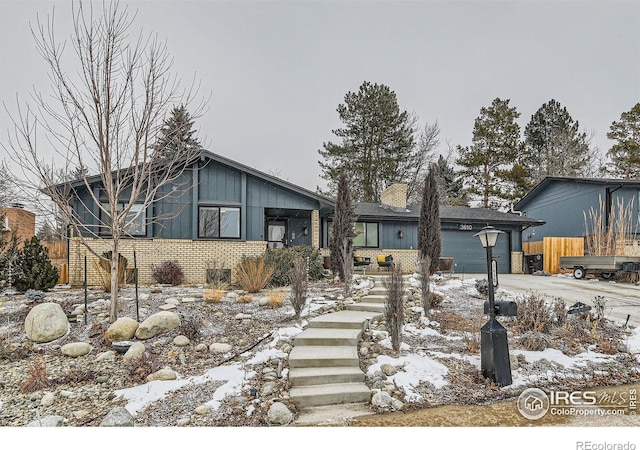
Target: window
[135, 226]
[218, 222]
[366, 234]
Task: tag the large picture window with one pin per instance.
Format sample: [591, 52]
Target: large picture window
[136, 220]
[219, 222]
[366, 234]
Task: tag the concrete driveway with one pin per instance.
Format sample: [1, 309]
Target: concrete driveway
[622, 299]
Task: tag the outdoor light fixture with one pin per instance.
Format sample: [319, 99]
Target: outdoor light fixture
[400, 234]
[305, 231]
[494, 348]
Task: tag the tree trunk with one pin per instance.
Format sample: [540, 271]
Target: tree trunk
[115, 263]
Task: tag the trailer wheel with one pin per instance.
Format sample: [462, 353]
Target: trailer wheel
[606, 275]
[579, 272]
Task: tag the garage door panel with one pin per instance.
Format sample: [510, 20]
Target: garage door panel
[469, 255]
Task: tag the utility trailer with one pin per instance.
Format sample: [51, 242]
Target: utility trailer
[604, 266]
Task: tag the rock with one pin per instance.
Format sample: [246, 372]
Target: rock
[156, 324]
[381, 398]
[167, 307]
[162, 375]
[46, 322]
[279, 414]
[118, 417]
[135, 351]
[364, 351]
[75, 349]
[48, 399]
[122, 329]
[201, 347]
[109, 355]
[268, 389]
[232, 295]
[183, 422]
[102, 379]
[79, 415]
[513, 360]
[67, 394]
[378, 384]
[397, 405]
[388, 369]
[143, 296]
[181, 341]
[203, 410]
[219, 347]
[49, 421]
[172, 301]
[263, 301]
[241, 316]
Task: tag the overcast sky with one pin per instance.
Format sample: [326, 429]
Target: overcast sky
[278, 70]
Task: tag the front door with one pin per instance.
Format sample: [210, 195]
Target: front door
[276, 234]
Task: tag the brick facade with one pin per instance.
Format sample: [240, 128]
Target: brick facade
[20, 221]
[194, 257]
[407, 258]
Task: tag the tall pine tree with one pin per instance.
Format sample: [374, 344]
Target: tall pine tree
[429, 243]
[625, 153]
[377, 145]
[554, 146]
[490, 165]
[177, 136]
[450, 185]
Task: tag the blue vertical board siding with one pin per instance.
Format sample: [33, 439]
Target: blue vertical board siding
[173, 215]
[389, 236]
[218, 182]
[255, 223]
[268, 195]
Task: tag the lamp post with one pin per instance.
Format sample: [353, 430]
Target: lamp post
[494, 348]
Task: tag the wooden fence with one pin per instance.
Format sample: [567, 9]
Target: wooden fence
[57, 252]
[552, 248]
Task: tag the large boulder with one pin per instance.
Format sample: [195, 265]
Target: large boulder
[136, 350]
[158, 323]
[48, 421]
[279, 414]
[75, 349]
[46, 322]
[122, 329]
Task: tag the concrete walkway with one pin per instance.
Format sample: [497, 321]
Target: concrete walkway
[324, 365]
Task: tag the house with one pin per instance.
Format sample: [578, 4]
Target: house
[391, 227]
[17, 220]
[566, 205]
[230, 210]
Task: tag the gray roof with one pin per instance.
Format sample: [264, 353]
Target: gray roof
[447, 213]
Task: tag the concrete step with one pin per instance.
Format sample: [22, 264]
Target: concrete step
[309, 376]
[343, 319]
[329, 336]
[362, 306]
[330, 394]
[323, 356]
[374, 298]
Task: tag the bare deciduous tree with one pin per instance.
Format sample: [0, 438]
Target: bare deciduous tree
[103, 114]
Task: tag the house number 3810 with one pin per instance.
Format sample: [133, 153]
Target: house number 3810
[466, 227]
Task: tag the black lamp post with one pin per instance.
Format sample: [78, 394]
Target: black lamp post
[494, 348]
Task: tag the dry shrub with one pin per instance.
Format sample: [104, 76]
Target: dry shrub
[276, 299]
[77, 376]
[168, 272]
[212, 295]
[253, 274]
[608, 346]
[534, 341]
[216, 275]
[454, 322]
[190, 325]
[146, 364]
[472, 342]
[435, 300]
[244, 298]
[37, 377]
[534, 314]
[299, 284]
[394, 305]
[103, 269]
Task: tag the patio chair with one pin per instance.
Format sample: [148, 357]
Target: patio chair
[385, 261]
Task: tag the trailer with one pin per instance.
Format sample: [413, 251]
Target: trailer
[604, 266]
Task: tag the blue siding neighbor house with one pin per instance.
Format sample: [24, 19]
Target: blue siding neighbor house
[565, 204]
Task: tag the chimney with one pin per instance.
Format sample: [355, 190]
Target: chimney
[395, 195]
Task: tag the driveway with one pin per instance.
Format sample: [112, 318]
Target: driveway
[622, 299]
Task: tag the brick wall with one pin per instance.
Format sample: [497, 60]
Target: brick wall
[20, 221]
[193, 256]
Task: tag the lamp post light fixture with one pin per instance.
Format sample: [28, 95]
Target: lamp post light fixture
[494, 348]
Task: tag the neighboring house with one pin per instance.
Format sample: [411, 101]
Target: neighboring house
[17, 220]
[565, 204]
[231, 210]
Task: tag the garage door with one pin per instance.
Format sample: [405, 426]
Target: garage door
[468, 254]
